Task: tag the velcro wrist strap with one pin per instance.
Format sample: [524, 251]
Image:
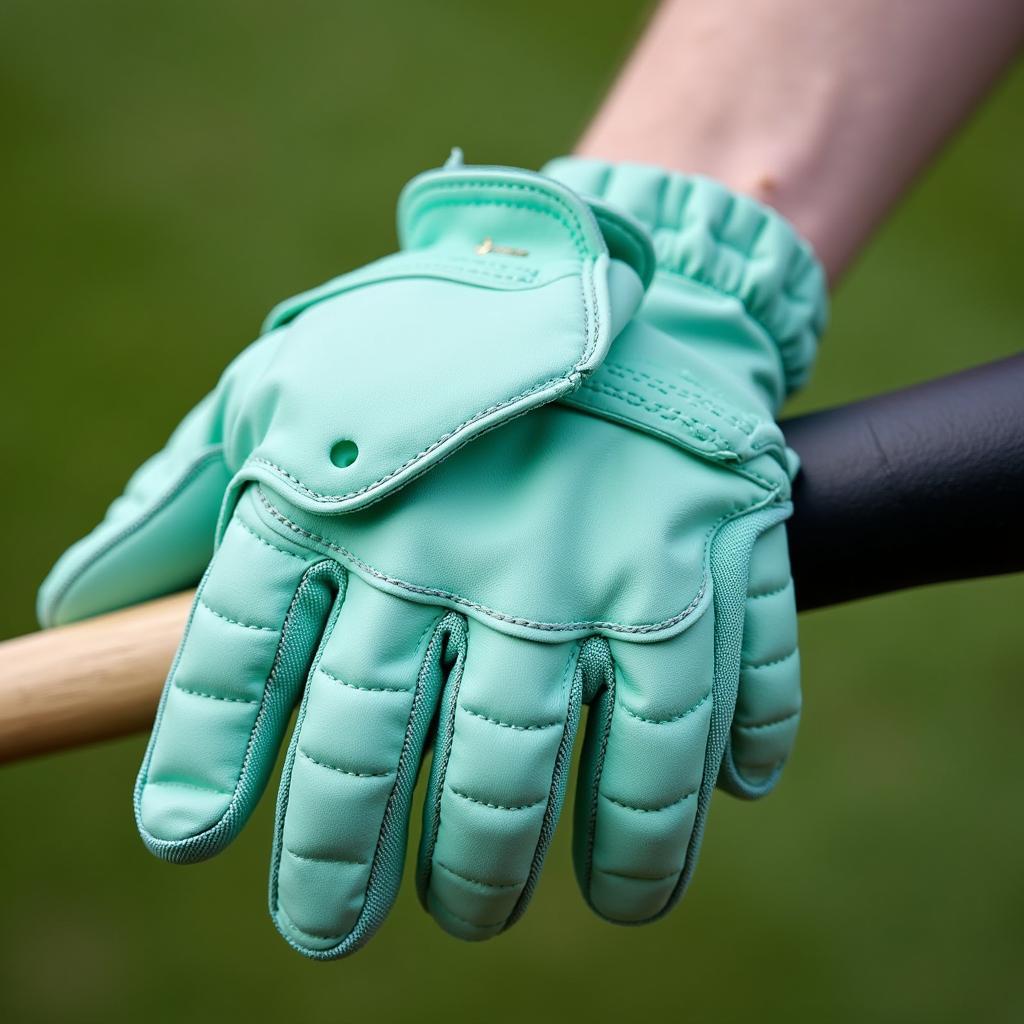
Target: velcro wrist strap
[504, 296]
[724, 241]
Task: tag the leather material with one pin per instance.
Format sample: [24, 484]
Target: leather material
[622, 547]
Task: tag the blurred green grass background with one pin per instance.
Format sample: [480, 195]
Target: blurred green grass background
[171, 170]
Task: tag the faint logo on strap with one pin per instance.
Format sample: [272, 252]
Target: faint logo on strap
[487, 246]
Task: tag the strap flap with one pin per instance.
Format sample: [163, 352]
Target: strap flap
[504, 297]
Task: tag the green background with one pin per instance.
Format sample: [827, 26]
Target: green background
[171, 170]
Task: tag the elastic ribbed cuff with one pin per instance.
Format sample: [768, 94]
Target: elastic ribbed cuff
[725, 241]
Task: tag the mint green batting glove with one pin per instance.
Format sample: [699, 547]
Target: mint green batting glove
[507, 292]
[621, 547]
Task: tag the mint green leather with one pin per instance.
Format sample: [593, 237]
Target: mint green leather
[391, 564]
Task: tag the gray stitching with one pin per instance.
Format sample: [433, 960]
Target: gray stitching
[344, 771]
[236, 793]
[235, 622]
[381, 272]
[595, 779]
[443, 744]
[561, 767]
[374, 863]
[266, 543]
[366, 689]
[648, 810]
[434, 628]
[666, 721]
[496, 807]
[512, 725]
[745, 424]
[668, 413]
[213, 696]
[459, 269]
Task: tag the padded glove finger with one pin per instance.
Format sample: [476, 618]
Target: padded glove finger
[501, 762]
[343, 808]
[768, 699]
[642, 767]
[231, 690]
[156, 538]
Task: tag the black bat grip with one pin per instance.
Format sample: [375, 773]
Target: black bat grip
[917, 486]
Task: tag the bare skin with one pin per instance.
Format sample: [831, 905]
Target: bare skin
[826, 111]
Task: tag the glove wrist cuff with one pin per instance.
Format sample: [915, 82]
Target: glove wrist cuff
[721, 240]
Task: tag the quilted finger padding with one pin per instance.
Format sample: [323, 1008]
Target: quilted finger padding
[642, 771]
[255, 625]
[768, 699]
[501, 761]
[343, 809]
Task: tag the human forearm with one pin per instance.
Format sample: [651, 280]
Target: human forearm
[825, 111]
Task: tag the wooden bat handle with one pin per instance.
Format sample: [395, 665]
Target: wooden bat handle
[89, 681]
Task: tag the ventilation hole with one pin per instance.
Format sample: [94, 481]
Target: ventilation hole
[344, 453]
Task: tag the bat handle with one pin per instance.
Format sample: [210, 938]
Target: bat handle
[89, 681]
[912, 487]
